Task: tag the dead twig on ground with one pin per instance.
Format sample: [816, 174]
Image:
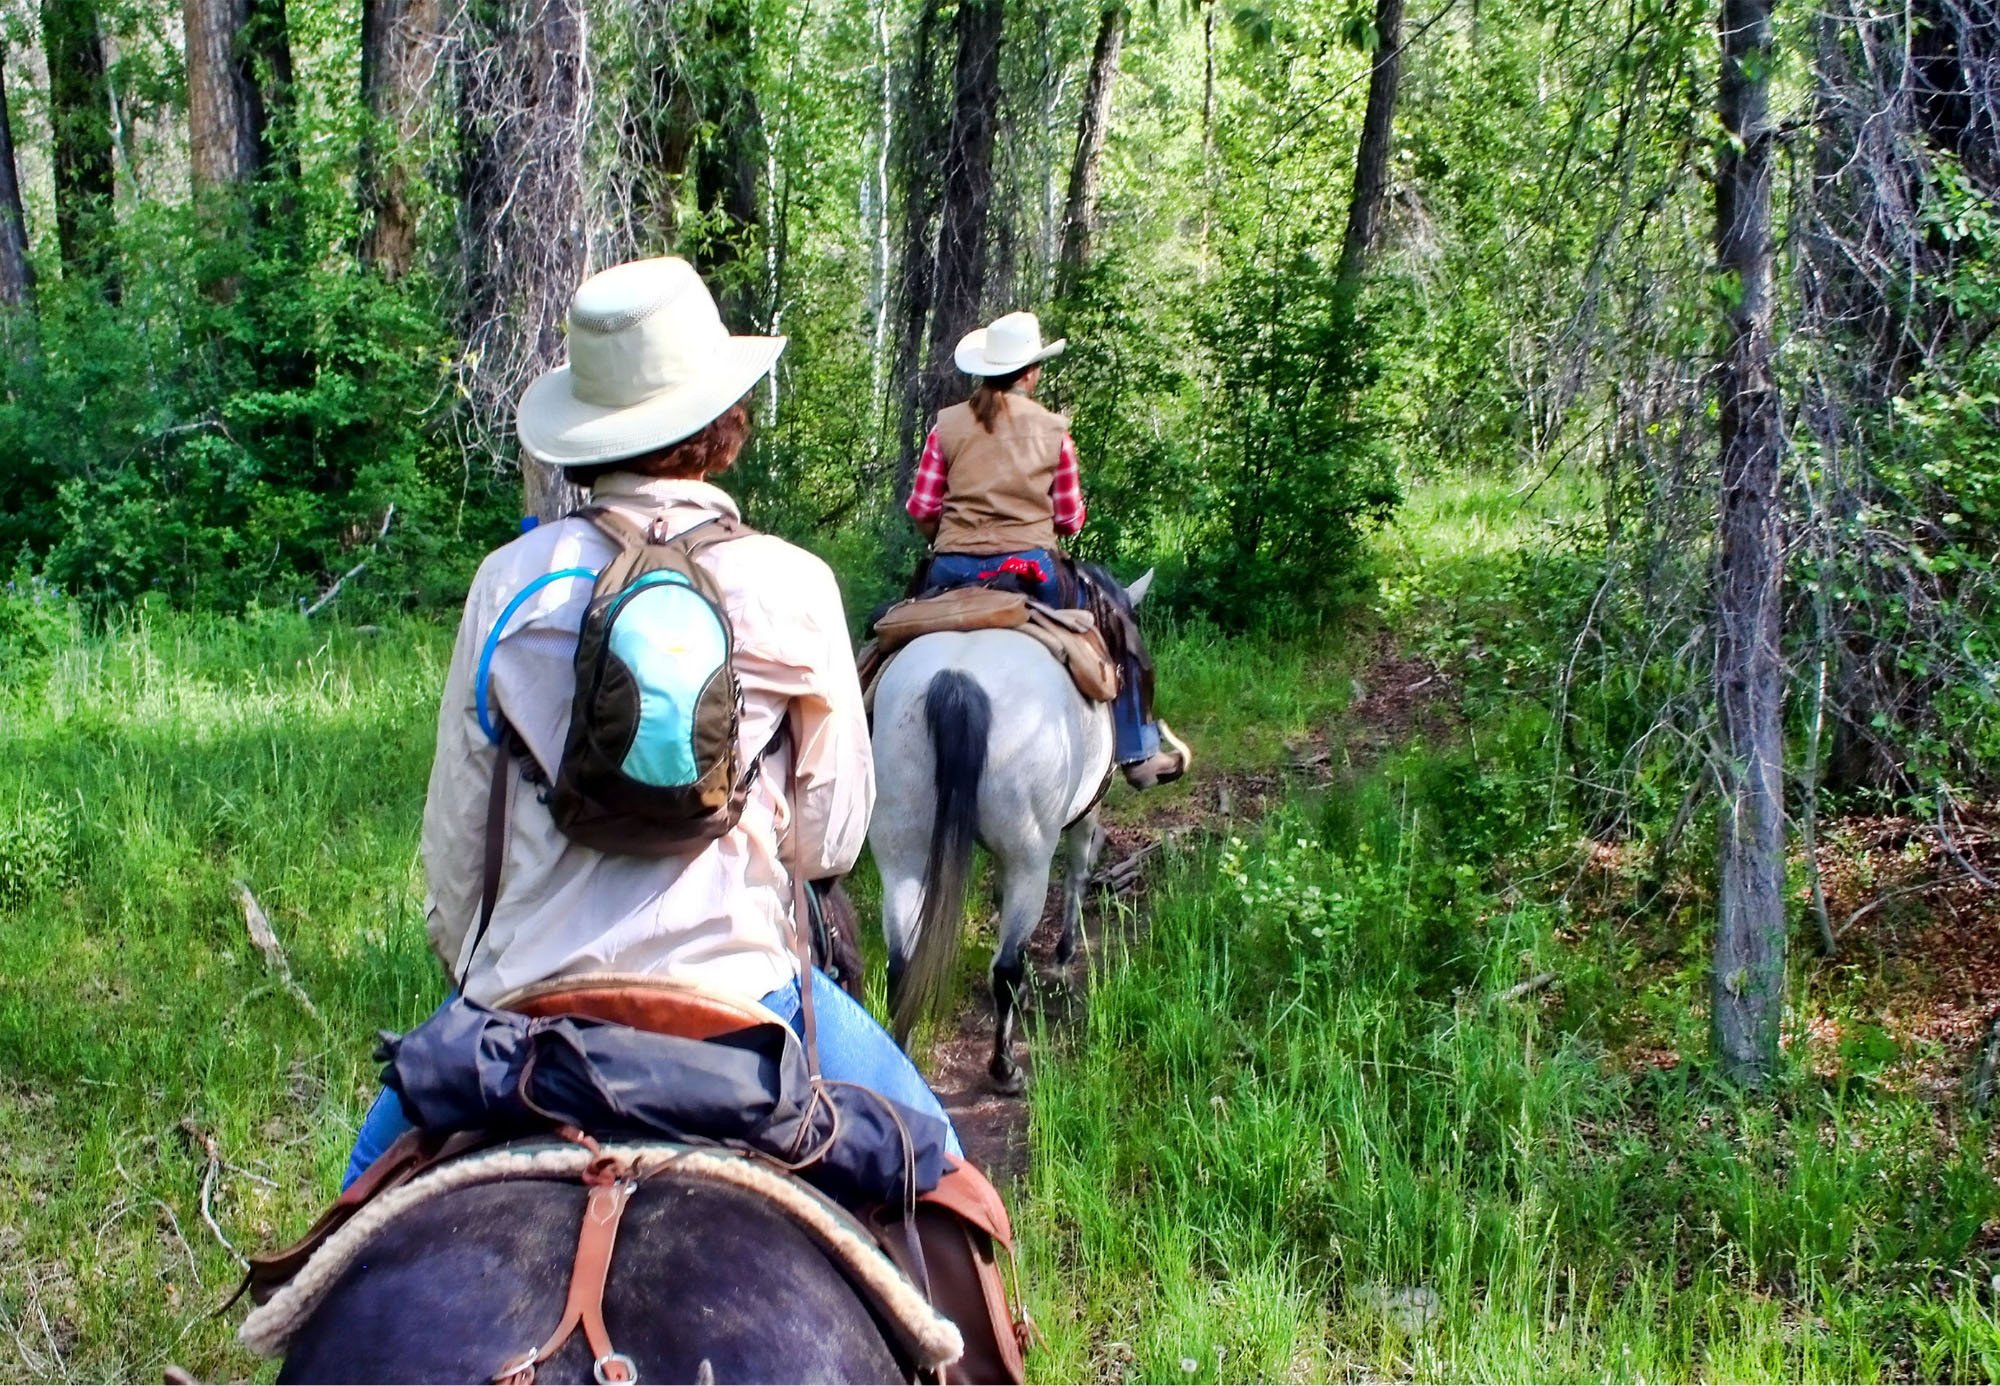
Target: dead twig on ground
[1886, 896]
[1986, 1069]
[356, 571]
[208, 1176]
[173, 1219]
[1520, 989]
[266, 940]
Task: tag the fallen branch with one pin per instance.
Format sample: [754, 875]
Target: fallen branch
[265, 938]
[1887, 896]
[354, 572]
[1125, 874]
[1520, 989]
[1129, 867]
[1965, 862]
[1986, 1069]
[208, 1174]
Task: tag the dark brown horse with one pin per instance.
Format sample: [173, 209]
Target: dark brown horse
[707, 1283]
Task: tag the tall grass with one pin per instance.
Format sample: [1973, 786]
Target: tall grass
[1299, 1136]
[143, 772]
[1304, 1132]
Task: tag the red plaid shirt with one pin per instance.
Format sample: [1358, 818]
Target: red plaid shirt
[1066, 493]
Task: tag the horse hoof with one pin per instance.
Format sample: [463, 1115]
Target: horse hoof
[1065, 952]
[1008, 1079]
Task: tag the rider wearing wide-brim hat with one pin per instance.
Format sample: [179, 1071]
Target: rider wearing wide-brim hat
[651, 404]
[997, 489]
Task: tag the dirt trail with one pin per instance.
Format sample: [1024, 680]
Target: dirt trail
[1395, 696]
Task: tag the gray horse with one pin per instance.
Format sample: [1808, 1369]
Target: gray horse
[981, 736]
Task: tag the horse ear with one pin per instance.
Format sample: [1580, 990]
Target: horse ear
[1136, 593]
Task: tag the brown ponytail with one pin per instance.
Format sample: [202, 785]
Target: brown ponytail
[991, 395]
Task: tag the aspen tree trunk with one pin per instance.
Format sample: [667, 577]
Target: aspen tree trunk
[1748, 985]
[875, 213]
[400, 48]
[17, 274]
[1079, 223]
[80, 115]
[1371, 160]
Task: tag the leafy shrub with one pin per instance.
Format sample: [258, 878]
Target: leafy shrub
[37, 849]
[233, 427]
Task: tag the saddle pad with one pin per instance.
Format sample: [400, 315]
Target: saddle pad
[1071, 636]
[956, 608]
[928, 1338]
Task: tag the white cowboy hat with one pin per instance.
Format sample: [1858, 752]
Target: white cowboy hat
[1012, 343]
[650, 363]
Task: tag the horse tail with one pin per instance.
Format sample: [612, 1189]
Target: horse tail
[960, 718]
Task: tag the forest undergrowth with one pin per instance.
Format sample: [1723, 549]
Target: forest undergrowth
[1407, 1080]
[1293, 1135]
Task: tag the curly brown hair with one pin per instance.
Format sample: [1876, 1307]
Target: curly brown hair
[707, 453]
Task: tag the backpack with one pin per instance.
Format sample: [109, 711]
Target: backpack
[650, 766]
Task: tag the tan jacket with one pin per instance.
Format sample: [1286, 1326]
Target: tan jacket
[718, 917]
[997, 493]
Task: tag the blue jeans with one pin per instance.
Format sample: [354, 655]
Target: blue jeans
[852, 1049]
[1135, 737]
[964, 569]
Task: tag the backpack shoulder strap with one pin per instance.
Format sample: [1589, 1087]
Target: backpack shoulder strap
[718, 529]
[614, 526]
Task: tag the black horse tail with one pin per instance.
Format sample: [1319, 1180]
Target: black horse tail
[960, 718]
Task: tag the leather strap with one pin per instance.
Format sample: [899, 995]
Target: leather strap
[585, 1309]
[496, 846]
[801, 913]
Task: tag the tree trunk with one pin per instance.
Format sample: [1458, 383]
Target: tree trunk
[875, 214]
[960, 276]
[225, 110]
[80, 115]
[264, 57]
[1371, 160]
[17, 274]
[923, 135]
[524, 99]
[727, 164]
[1748, 984]
[399, 54]
[1079, 223]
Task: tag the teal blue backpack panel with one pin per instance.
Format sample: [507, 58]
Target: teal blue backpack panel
[674, 645]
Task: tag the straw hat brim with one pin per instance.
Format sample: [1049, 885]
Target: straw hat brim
[971, 355]
[560, 430]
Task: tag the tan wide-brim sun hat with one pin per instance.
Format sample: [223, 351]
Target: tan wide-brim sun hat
[650, 364]
[1009, 344]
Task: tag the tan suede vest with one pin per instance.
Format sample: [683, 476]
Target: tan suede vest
[996, 496]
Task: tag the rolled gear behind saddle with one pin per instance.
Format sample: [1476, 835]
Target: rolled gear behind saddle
[470, 1067]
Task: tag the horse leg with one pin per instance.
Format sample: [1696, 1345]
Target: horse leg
[1081, 843]
[1024, 890]
[902, 904]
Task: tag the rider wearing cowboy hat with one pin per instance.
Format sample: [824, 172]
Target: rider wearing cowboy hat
[649, 406]
[996, 486]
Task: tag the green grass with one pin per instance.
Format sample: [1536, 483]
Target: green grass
[1257, 1137]
[1295, 1109]
[1293, 1099]
[143, 771]
[163, 762]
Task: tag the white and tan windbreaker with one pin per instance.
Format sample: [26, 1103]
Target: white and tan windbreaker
[718, 917]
